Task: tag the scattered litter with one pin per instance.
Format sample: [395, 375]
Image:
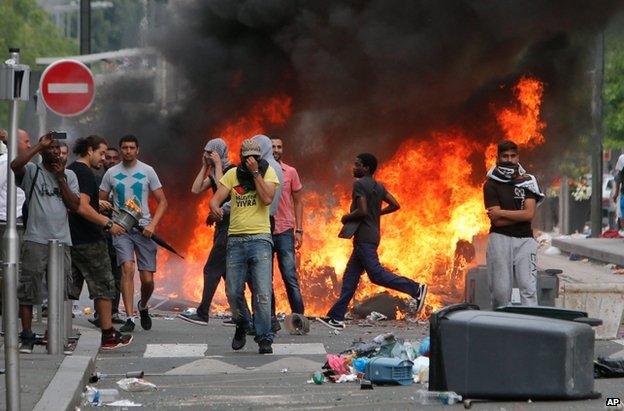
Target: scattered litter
[425, 397]
[611, 266]
[169, 318]
[366, 385]
[420, 370]
[585, 260]
[552, 250]
[425, 347]
[318, 378]
[190, 311]
[609, 367]
[381, 338]
[284, 370]
[574, 257]
[360, 364]
[87, 311]
[618, 271]
[97, 397]
[124, 403]
[346, 378]
[334, 332]
[135, 385]
[376, 316]
[280, 316]
[297, 324]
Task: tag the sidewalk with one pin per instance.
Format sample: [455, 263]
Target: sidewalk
[53, 382]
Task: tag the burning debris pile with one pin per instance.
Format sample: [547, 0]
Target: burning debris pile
[426, 86]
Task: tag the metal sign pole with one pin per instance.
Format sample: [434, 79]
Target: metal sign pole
[14, 79]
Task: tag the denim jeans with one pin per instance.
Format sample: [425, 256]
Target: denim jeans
[284, 248]
[250, 255]
[364, 258]
[215, 269]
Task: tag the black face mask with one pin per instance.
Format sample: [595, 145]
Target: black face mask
[507, 168]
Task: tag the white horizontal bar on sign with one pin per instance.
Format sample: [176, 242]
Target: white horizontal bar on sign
[68, 88]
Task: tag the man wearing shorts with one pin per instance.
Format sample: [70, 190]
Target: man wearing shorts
[51, 191]
[134, 180]
[89, 253]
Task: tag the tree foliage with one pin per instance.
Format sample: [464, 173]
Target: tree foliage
[613, 92]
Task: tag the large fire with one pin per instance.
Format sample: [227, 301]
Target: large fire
[431, 177]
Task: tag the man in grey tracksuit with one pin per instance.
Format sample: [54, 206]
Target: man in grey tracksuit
[511, 196]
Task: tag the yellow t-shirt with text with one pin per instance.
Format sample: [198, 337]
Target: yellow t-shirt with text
[248, 215]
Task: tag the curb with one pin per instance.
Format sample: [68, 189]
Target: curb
[63, 392]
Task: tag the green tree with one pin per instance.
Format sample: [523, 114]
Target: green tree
[25, 25]
[613, 92]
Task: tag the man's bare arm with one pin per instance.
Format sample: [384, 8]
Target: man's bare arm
[393, 204]
[159, 195]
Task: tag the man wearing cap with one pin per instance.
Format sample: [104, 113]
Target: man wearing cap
[252, 186]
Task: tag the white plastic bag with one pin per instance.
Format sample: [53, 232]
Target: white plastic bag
[135, 385]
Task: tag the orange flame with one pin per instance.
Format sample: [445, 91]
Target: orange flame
[431, 177]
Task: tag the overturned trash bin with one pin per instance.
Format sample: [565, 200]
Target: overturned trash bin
[297, 324]
[499, 355]
[384, 370]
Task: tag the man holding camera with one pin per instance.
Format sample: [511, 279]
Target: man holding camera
[50, 192]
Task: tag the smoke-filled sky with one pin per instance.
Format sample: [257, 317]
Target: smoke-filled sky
[364, 75]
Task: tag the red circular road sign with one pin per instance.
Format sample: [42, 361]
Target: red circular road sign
[67, 87]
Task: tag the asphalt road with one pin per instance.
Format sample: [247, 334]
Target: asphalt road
[194, 368]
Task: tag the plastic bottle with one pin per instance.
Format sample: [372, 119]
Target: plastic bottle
[437, 397]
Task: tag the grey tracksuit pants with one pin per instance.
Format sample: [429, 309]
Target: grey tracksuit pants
[510, 258]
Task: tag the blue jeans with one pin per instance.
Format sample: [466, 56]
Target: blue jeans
[250, 255]
[284, 248]
[364, 258]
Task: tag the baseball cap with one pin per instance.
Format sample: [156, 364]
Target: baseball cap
[250, 148]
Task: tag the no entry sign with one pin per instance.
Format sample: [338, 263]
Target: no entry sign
[67, 87]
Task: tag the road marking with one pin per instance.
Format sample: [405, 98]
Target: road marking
[68, 88]
[206, 366]
[299, 349]
[290, 364]
[175, 350]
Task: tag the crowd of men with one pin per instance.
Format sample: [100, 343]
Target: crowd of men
[256, 209]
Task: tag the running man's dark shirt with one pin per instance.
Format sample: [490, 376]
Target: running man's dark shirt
[508, 197]
[369, 228]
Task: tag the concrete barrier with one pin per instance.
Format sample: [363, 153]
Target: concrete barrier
[603, 301]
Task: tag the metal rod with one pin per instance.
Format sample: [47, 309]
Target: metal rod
[54, 304]
[11, 353]
[61, 294]
[11, 257]
[596, 146]
[85, 26]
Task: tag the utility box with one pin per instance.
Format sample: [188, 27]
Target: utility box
[14, 79]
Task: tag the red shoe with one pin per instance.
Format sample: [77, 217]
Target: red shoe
[115, 340]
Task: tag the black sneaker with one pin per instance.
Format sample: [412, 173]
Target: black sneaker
[229, 323]
[265, 347]
[275, 325]
[239, 340]
[128, 326]
[331, 323]
[420, 298]
[27, 342]
[115, 340]
[193, 318]
[116, 318]
[146, 320]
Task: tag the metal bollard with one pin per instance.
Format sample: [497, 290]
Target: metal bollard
[55, 330]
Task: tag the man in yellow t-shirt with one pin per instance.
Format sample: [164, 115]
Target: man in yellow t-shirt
[251, 186]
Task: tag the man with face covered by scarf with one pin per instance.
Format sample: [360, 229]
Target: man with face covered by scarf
[511, 196]
[251, 186]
